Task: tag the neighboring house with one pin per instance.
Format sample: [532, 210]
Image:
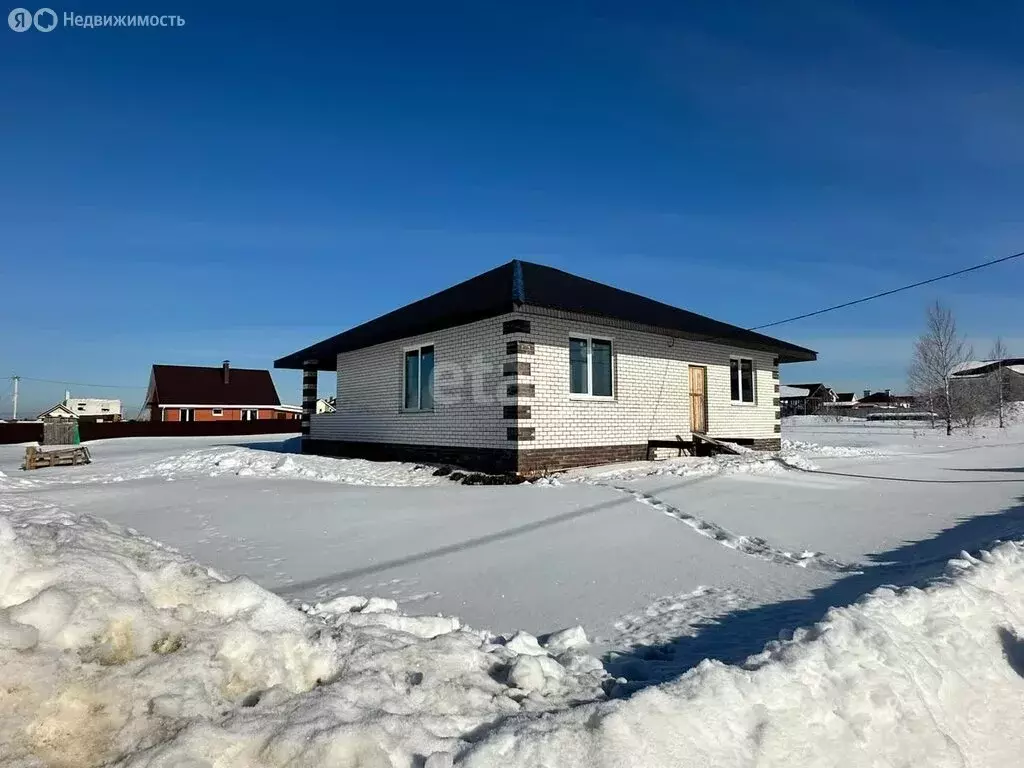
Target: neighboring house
[526, 368]
[85, 409]
[223, 393]
[980, 368]
[1012, 369]
[886, 400]
[805, 399]
[846, 398]
[325, 405]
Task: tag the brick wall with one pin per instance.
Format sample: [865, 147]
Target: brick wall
[228, 414]
[650, 384]
[469, 392]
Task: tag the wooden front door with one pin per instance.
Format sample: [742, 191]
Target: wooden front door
[698, 398]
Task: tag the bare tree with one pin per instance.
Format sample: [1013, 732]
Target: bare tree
[937, 353]
[999, 353]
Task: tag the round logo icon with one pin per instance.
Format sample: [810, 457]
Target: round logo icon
[20, 20]
[45, 19]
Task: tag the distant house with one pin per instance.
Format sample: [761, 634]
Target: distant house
[805, 399]
[222, 393]
[325, 405]
[886, 399]
[977, 371]
[85, 409]
[528, 369]
[981, 368]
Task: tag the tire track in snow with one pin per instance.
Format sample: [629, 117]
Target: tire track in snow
[748, 545]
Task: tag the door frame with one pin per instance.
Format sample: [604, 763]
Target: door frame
[689, 381]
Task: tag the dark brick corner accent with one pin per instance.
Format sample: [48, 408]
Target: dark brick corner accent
[776, 387]
[519, 348]
[768, 444]
[775, 362]
[521, 390]
[775, 402]
[515, 326]
[491, 460]
[516, 369]
[778, 428]
[778, 414]
[516, 412]
[520, 433]
[775, 374]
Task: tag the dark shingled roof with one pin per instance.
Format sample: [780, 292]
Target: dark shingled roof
[521, 284]
[197, 385]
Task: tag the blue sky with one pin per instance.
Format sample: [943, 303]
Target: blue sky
[262, 177]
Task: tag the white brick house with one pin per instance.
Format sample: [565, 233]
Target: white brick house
[527, 368]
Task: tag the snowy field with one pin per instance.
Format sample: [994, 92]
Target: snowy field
[663, 564]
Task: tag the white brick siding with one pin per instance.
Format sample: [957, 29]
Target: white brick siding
[468, 392]
[651, 388]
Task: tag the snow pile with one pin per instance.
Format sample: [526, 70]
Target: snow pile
[837, 451]
[246, 462]
[116, 649]
[914, 677]
[754, 462]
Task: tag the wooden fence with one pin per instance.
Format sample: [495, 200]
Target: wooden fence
[28, 432]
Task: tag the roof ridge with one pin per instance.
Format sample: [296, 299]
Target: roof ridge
[518, 285]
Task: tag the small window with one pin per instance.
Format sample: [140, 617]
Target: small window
[419, 379]
[217, 411]
[186, 414]
[590, 367]
[250, 414]
[741, 380]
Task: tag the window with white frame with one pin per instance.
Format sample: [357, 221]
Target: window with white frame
[590, 366]
[419, 379]
[250, 414]
[217, 411]
[741, 380]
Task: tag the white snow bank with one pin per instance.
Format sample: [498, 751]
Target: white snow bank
[239, 461]
[246, 462]
[914, 677]
[790, 447]
[752, 462]
[114, 648]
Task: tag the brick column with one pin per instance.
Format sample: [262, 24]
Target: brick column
[309, 373]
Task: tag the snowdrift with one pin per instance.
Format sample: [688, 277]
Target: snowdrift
[115, 648]
[911, 678]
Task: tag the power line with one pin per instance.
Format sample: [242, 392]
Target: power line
[82, 384]
[888, 293]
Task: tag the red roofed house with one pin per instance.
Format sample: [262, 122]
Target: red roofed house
[196, 393]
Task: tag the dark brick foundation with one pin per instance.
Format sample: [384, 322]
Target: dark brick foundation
[492, 460]
[540, 460]
[527, 461]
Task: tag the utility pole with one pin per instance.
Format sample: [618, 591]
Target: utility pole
[15, 413]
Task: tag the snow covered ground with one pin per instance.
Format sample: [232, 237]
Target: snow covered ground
[663, 563]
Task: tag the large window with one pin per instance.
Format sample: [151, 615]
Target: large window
[419, 379]
[741, 380]
[590, 367]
